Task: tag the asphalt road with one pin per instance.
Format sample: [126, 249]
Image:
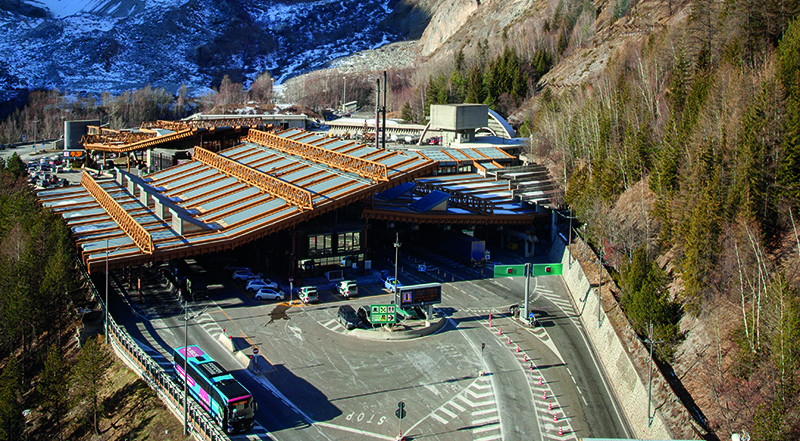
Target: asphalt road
[323, 383]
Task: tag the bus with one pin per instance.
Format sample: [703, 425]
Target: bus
[218, 393]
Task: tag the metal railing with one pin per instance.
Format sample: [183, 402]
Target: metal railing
[170, 391]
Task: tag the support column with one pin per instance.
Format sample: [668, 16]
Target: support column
[139, 284]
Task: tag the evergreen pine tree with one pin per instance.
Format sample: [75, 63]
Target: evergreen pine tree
[54, 385]
[87, 374]
[12, 422]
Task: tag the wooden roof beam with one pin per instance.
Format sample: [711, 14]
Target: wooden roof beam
[133, 229]
[362, 167]
[289, 192]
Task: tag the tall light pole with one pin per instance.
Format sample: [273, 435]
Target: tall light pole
[106, 303]
[396, 255]
[344, 95]
[186, 319]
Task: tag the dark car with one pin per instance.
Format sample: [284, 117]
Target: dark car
[348, 317]
[363, 315]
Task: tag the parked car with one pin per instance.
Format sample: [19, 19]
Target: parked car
[308, 294]
[347, 288]
[348, 317]
[268, 294]
[233, 267]
[245, 274]
[363, 315]
[254, 285]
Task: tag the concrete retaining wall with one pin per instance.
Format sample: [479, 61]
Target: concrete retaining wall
[622, 355]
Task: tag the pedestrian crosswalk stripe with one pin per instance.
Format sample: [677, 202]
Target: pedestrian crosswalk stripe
[483, 412]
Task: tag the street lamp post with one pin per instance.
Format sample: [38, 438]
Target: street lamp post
[186, 319]
[106, 303]
[344, 96]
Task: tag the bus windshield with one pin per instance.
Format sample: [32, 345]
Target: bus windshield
[241, 408]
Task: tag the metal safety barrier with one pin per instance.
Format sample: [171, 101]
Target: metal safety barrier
[165, 386]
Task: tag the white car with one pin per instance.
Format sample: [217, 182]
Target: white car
[245, 275]
[268, 294]
[347, 288]
[256, 284]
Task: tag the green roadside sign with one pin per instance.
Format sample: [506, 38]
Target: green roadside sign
[382, 314]
[537, 270]
[509, 270]
[546, 269]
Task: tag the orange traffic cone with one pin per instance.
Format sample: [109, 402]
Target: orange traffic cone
[561, 430]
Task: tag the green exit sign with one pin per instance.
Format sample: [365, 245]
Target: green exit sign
[546, 269]
[509, 270]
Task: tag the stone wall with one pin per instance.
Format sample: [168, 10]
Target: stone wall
[622, 355]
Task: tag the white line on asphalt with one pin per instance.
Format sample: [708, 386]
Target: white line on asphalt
[438, 418]
[353, 430]
[485, 428]
[459, 408]
[448, 413]
[488, 438]
[477, 395]
[491, 419]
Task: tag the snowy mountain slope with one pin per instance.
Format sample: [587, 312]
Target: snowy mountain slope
[96, 45]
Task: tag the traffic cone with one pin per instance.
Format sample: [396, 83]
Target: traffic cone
[561, 430]
[544, 397]
[531, 368]
[517, 349]
[500, 331]
[490, 319]
[540, 381]
[555, 416]
[509, 340]
[549, 405]
[525, 358]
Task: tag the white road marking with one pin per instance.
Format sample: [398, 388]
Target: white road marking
[486, 428]
[438, 418]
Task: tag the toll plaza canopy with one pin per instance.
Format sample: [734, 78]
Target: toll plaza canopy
[222, 200]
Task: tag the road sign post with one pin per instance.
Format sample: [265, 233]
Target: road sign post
[527, 270]
[483, 369]
[400, 413]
